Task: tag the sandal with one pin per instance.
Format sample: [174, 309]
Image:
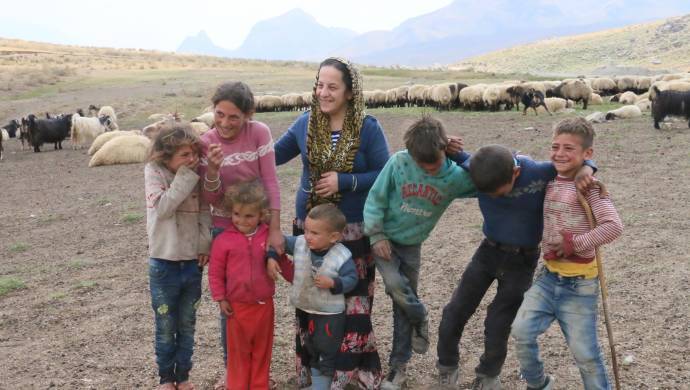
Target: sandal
[186, 385]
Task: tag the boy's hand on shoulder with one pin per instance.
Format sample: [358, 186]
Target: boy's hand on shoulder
[225, 307]
[273, 269]
[323, 281]
[455, 145]
[382, 249]
[584, 178]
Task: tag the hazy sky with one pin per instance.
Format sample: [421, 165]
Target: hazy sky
[156, 24]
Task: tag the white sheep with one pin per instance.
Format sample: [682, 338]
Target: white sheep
[627, 97]
[596, 99]
[644, 104]
[268, 103]
[596, 117]
[110, 112]
[199, 127]
[625, 83]
[415, 94]
[604, 86]
[105, 137]
[122, 150]
[5, 135]
[441, 96]
[471, 96]
[496, 94]
[575, 89]
[554, 104]
[85, 130]
[208, 118]
[625, 112]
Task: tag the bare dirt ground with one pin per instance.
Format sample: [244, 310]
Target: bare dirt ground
[73, 242]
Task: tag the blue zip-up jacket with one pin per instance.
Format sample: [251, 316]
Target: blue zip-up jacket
[369, 160]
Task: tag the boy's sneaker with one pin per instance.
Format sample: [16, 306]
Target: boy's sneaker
[420, 337]
[548, 384]
[396, 378]
[448, 378]
[484, 382]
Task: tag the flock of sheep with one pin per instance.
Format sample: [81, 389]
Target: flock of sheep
[109, 145]
[560, 95]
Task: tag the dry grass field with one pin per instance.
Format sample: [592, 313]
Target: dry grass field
[74, 299]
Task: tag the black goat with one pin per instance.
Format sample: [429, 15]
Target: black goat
[670, 103]
[42, 131]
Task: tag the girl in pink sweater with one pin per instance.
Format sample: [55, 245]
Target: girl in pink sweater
[240, 284]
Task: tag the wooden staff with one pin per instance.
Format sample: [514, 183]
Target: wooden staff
[604, 290]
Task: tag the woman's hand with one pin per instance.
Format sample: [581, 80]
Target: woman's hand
[225, 308]
[327, 185]
[214, 156]
[382, 249]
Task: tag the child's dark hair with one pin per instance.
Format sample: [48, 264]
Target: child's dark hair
[491, 167]
[425, 139]
[347, 77]
[576, 126]
[171, 137]
[330, 213]
[246, 193]
[236, 92]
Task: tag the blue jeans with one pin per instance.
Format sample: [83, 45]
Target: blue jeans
[572, 301]
[215, 231]
[175, 295]
[400, 276]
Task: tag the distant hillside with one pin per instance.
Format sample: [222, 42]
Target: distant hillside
[655, 46]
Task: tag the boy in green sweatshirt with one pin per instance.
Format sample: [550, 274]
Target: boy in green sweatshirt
[409, 196]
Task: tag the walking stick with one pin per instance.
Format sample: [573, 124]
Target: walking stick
[604, 290]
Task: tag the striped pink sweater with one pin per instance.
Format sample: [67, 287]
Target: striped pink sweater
[565, 219]
[248, 156]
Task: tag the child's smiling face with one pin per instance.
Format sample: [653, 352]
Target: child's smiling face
[568, 154]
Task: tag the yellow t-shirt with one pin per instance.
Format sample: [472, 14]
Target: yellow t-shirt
[568, 268]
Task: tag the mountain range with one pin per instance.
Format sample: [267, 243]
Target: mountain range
[450, 34]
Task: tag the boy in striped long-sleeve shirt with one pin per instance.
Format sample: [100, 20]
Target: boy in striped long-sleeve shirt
[567, 287]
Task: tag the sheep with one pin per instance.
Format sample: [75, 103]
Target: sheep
[595, 99]
[415, 95]
[604, 86]
[625, 112]
[85, 130]
[536, 85]
[644, 104]
[109, 112]
[576, 90]
[670, 102]
[401, 94]
[5, 134]
[675, 85]
[496, 94]
[391, 97]
[642, 84]
[122, 150]
[269, 103]
[625, 83]
[306, 100]
[291, 102]
[441, 96]
[105, 137]
[628, 97]
[471, 96]
[596, 117]
[208, 118]
[643, 96]
[199, 127]
[553, 105]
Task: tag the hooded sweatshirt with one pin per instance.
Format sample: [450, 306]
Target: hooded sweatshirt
[405, 201]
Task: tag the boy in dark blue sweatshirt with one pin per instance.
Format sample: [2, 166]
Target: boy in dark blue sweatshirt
[511, 191]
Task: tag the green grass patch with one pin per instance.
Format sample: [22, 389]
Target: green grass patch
[130, 218]
[86, 285]
[57, 296]
[8, 284]
[19, 247]
[103, 201]
[76, 264]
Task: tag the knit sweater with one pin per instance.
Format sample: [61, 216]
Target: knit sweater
[177, 219]
[406, 202]
[247, 156]
[354, 186]
[565, 220]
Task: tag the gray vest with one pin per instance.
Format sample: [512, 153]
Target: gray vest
[304, 294]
